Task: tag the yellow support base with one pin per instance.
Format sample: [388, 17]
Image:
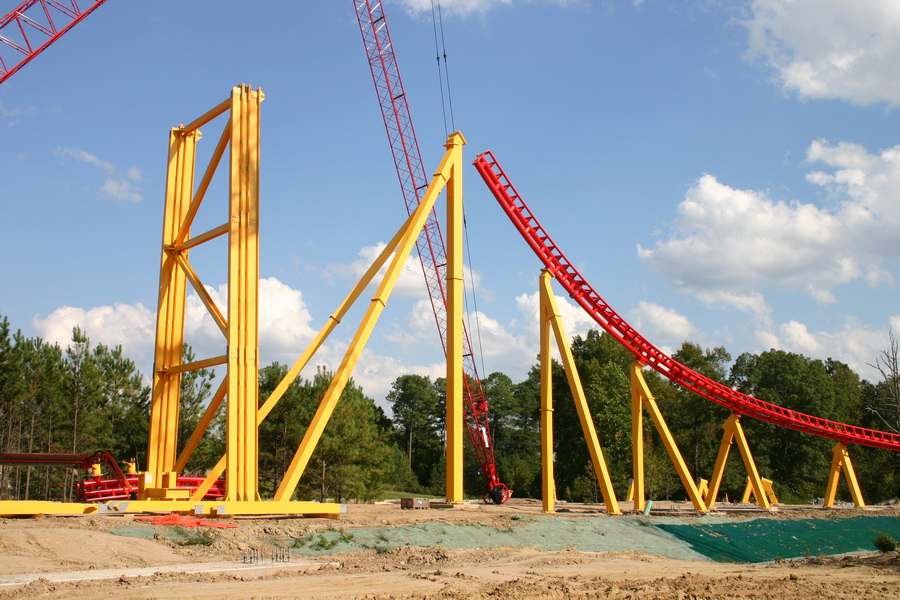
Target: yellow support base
[18, 508]
[29, 508]
[224, 508]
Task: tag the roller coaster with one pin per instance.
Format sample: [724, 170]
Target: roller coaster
[612, 323]
[435, 266]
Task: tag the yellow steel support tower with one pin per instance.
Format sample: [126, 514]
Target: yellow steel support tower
[841, 462]
[551, 319]
[640, 398]
[734, 431]
[241, 134]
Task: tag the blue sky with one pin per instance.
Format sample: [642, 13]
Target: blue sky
[720, 171]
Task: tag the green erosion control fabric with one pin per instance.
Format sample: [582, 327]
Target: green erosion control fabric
[764, 540]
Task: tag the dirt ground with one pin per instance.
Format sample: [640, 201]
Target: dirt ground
[88, 549]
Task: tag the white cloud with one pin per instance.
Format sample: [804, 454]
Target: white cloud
[830, 48]
[661, 323]
[11, 116]
[131, 326]
[119, 185]
[409, 284]
[286, 327]
[726, 242]
[852, 344]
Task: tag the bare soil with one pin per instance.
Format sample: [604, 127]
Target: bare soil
[51, 545]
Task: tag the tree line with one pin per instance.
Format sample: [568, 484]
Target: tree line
[86, 398]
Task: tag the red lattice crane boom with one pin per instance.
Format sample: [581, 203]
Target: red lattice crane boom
[33, 26]
[430, 244]
[582, 292]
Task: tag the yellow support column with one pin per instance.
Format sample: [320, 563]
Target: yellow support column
[841, 461]
[163, 432]
[734, 431]
[581, 406]
[636, 490]
[548, 478]
[243, 299]
[454, 407]
[638, 382]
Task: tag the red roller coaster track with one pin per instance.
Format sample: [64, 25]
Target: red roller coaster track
[648, 354]
[34, 25]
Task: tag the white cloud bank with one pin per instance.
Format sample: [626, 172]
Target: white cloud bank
[726, 242]
[286, 327]
[830, 48]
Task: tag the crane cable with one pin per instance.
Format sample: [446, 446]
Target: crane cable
[437, 22]
[440, 49]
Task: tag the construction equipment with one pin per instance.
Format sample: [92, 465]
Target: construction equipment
[33, 26]
[430, 244]
[118, 485]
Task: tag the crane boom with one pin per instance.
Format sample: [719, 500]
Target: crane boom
[33, 26]
[430, 244]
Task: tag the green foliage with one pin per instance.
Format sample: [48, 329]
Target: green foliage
[419, 421]
[885, 543]
[86, 398]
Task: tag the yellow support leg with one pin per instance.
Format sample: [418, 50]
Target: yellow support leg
[548, 478]
[455, 417]
[241, 463]
[637, 490]
[638, 382]
[581, 406]
[768, 491]
[841, 462]
[734, 431]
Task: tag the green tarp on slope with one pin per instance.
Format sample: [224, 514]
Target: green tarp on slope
[766, 539]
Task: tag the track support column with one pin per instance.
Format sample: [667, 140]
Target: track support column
[641, 395]
[841, 462]
[455, 384]
[548, 477]
[734, 431]
[551, 319]
[162, 445]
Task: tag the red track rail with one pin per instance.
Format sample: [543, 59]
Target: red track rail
[579, 289]
[430, 244]
[34, 25]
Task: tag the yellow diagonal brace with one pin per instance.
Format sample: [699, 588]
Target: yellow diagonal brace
[202, 426]
[581, 406]
[211, 167]
[202, 293]
[326, 407]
